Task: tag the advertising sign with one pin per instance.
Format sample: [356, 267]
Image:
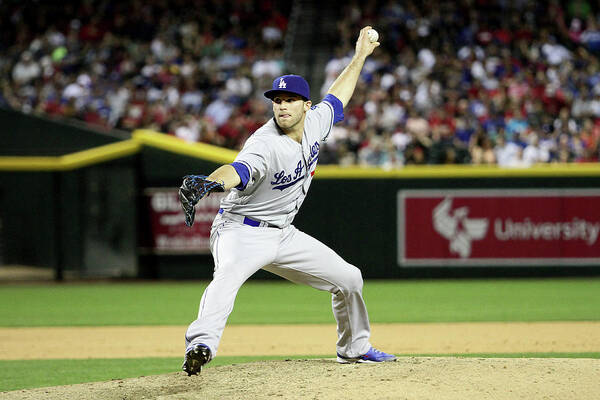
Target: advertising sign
[511, 227]
[170, 234]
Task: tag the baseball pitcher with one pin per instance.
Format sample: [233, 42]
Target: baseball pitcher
[267, 184]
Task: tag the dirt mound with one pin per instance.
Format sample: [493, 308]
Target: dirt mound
[408, 378]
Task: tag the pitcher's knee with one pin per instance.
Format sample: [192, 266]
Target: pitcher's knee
[353, 281]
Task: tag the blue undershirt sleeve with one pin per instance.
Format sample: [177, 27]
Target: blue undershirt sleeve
[244, 173]
[338, 107]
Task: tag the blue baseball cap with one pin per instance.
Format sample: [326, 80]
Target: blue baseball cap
[289, 84]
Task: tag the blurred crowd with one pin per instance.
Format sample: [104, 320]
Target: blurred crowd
[190, 68]
[512, 83]
[472, 81]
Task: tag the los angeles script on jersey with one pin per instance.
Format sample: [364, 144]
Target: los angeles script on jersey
[283, 180]
[314, 154]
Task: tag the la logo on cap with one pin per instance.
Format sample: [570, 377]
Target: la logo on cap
[281, 84]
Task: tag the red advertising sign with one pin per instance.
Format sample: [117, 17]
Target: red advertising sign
[170, 234]
[499, 227]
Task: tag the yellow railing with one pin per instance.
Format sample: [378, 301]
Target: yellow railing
[220, 155]
[117, 150]
[172, 144]
[458, 171]
[73, 160]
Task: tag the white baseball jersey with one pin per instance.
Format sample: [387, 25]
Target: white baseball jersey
[281, 169]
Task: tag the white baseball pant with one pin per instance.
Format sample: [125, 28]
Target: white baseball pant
[240, 250]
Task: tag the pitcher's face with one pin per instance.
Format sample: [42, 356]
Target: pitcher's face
[289, 110]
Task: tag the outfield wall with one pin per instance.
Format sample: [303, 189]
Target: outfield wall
[87, 210]
[360, 218]
[68, 197]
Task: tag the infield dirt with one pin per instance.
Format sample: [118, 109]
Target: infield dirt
[303, 340]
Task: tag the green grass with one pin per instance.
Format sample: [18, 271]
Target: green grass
[278, 302]
[485, 300]
[16, 375]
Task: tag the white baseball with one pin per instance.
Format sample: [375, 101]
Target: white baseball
[372, 35]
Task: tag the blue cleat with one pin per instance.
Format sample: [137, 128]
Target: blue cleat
[195, 357]
[371, 356]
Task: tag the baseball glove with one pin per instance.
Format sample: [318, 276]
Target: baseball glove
[194, 188]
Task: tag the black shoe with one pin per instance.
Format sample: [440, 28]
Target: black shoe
[195, 357]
